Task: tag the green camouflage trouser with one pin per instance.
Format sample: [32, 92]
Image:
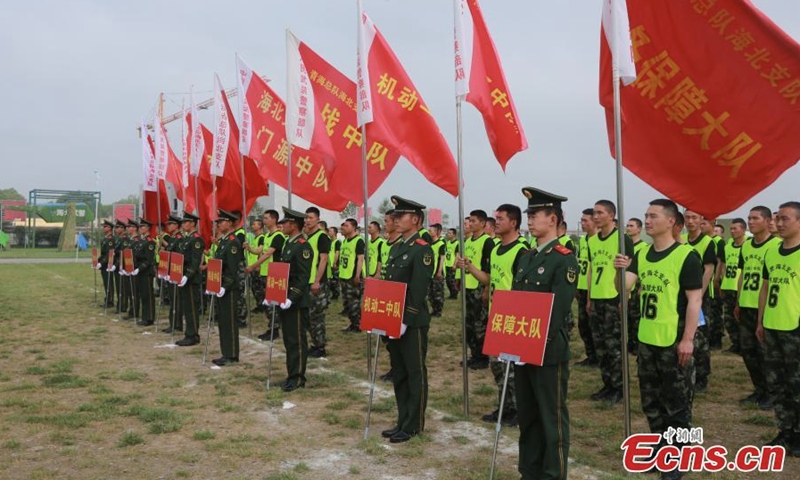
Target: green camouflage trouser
[352, 300]
[436, 296]
[319, 305]
[782, 366]
[606, 333]
[666, 388]
[334, 285]
[499, 372]
[241, 299]
[258, 285]
[702, 356]
[752, 351]
[450, 279]
[714, 319]
[634, 314]
[585, 325]
[477, 316]
[729, 301]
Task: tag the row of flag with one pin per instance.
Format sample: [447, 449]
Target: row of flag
[709, 119]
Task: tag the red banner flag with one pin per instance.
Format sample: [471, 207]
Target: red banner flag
[335, 98]
[205, 208]
[264, 140]
[400, 109]
[518, 325]
[151, 200]
[479, 76]
[685, 124]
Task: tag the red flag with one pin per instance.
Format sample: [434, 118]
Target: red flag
[479, 76]
[264, 140]
[226, 161]
[189, 200]
[335, 98]
[205, 207]
[736, 125]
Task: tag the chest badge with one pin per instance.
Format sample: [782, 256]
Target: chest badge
[540, 271]
[306, 254]
[405, 257]
[572, 274]
[427, 259]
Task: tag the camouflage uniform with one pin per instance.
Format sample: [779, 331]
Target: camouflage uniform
[477, 317]
[436, 296]
[450, 280]
[585, 326]
[498, 372]
[781, 357]
[702, 356]
[634, 314]
[352, 298]
[606, 334]
[752, 350]
[666, 389]
[258, 285]
[729, 302]
[241, 299]
[319, 306]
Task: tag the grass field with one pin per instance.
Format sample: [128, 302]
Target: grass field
[85, 396]
[18, 252]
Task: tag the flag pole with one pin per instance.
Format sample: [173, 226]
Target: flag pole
[459, 155]
[626, 398]
[158, 193]
[366, 229]
[289, 173]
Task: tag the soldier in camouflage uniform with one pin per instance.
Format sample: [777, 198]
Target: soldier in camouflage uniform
[436, 292]
[241, 276]
[478, 249]
[671, 276]
[450, 251]
[336, 245]
[317, 238]
[351, 269]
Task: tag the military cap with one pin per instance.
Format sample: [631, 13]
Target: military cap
[189, 217]
[108, 223]
[226, 215]
[143, 221]
[132, 223]
[173, 219]
[402, 205]
[119, 223]
[290, 215]
[539, 199]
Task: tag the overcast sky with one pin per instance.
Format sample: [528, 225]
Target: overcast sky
[78, 76]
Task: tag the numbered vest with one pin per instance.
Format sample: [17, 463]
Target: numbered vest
[437, 248]
[782, 311]
[753, 267]
[450, 253]
[269, 239]
[583, 263]
[730, 282]
[387, 247]
[348, 257]
[335, 246]
[473, 249]
[502, 265]
[564, 240]
[660, 287]
[701, 247]
[252, 257]
[603, 252]
[376, 248]
[313, 241]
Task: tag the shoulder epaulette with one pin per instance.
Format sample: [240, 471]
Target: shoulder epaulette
[196, 235]
[562, 249]
[301, 240]
[421, 242]
[231, 237]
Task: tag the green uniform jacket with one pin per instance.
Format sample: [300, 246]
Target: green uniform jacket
[229, 250]
[411, 262]
[107, 245]
[555, 269]
[144, 256]
[191, 246]
[299, 255]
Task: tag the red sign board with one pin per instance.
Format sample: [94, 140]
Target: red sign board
[163, 263]
[125, 212]
[382, 306]
[277, 282]
[518, 325]
[11, 215]
[127, 260]
[110, 260]
[95, 257]
[175, 267]
[434, 215]
[214, 276]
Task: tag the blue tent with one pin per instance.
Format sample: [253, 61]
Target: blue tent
[82, 243]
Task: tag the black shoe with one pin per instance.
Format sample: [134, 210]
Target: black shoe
[783, 439]
[266, 335]
[388, 376]
[390, 433]
[478, 363]
[491, 417]
[753, 398]
[402, 436]
[589, 362]
[317, 352]
[188, 341]
[614, 397]
[142, 323]
[351, 329]
[765, 403]
[292, 385]
[510, 418]
[700, 386]
[170, 329]
[602, 393]
[222, 361]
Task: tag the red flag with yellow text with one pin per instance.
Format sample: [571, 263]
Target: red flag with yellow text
[713, 117]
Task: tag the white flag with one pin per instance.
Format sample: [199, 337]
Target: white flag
[616, 27]
[184, 150]
[300, 106]
[243, 76]
[366, 35]
[150, 176]
[463, 46]
[222, 134]
[197, 150]
[161, 146]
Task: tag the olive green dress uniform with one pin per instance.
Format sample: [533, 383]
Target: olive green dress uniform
[122, 304]
[410, 262]
[134, 308]
[295, 322]
[175, 310]
[229, 250]
[107, 245]
[191, 246]
[144, 252]
[542, 390]
[126, 301]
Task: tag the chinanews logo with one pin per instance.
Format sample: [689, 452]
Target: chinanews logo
[682, 449]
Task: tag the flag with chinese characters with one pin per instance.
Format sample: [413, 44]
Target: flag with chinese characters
[190, 179]
[206, 209]
[172, 167]
[149, 168]
[708, 138]
[399, 108]
[226, 162]
[157, 200]
[617, 34]
[266, 144]
[335, 98]
[479, 76]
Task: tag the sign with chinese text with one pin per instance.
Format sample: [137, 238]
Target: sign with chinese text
[163, 263]
[277, 282]
[127, 260]
[95, 257]
[382, 306]
[110, 261]
[518, 325]
[214, 276]
[175, 267]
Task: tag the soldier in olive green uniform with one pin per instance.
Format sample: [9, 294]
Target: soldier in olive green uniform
[106, 245]
[229, 250]
[171, 242]
[294, 312]
[119, 237]
[129, 286]
[542, 391]
[191, 246]
[410, 262]
[144, 261]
